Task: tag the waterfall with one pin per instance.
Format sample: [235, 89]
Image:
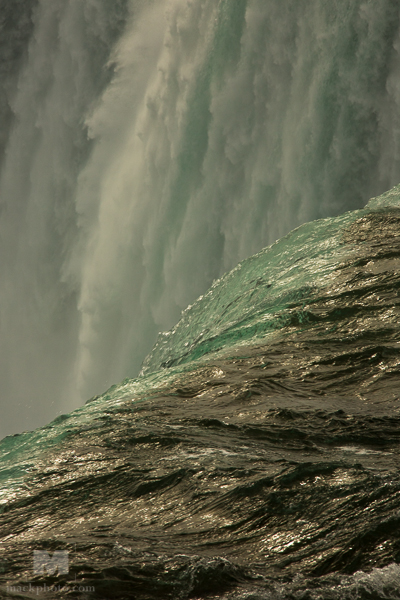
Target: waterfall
[149, 145]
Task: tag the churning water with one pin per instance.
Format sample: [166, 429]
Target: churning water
[148, 148]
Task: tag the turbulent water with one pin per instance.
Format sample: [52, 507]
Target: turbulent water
[147, 146]
[257, 456]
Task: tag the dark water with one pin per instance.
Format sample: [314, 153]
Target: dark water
[263, 470]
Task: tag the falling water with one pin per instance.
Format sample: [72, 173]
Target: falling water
[148, 146]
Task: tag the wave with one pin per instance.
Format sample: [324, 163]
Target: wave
[257, 459]
[330, 278]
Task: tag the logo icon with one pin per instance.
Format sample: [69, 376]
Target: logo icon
[43, 561]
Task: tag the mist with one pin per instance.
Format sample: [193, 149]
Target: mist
[149, 146]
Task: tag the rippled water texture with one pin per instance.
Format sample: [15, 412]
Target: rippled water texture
[256, 466]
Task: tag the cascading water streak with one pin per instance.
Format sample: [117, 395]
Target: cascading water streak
[150, 146]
